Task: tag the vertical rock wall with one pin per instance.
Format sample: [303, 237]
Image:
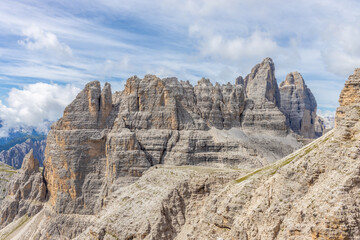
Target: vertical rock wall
[299, 105]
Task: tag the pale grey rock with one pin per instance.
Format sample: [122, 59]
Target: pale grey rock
[15, 155]
[261, 85]
[152, 121]
[262, 112]
[26, 192]
[320, 126]
[75, 152]
[310, 194]
[299, 106]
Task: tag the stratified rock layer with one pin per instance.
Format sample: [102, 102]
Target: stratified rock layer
[262, 107]
[26, 192]
[310, 194]
[75, 153]
[103, 138]
[112, 167]
[349, 96]
[299, 106]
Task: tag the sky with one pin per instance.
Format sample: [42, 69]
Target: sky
[50, 49]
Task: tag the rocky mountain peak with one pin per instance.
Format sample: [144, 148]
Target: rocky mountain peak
[239, 81]
[348, 112]
[90, 108]
[105, 158]
[261, 83]
[30, 164]
[351, 92]
[293, 78]
[299, 105]
[204, 81]
[132, 84]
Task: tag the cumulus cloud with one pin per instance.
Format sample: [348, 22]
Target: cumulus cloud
[35, 106]
[38, 39]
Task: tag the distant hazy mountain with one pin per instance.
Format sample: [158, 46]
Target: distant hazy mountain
[15, 155]
[18, 143]
[19, 136]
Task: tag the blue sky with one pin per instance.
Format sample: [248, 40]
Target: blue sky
[64, 44]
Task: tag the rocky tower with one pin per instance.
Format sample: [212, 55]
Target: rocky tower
[75, 154]
[350, 94]
[299, 105]
[261, 84]
[26, 192]
[262, 108]
[349, 102]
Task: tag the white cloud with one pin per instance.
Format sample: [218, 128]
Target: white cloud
[38, 39]
[257, 45]
[343, 52]
[111, 41]
[35, 105]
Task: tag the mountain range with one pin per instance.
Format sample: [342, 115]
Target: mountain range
[163, 159]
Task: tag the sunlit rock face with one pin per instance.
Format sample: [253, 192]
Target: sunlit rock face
[348, 112]
[75, 156]
[104, 137]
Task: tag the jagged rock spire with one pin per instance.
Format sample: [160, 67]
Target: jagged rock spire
[299, 105]
[30, 164]
[261, 83]
[90, 108]
[347, 113]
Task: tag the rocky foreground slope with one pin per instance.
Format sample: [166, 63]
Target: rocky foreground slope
[114, 166]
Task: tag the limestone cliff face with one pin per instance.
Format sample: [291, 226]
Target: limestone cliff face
[261, 84]
[299, 106]
[26, 192]
[310, 194]
[166, 121]
[220, 106]
[349, 96]
[103, 138]
[75, 155]
[114, 166]
[262, 111]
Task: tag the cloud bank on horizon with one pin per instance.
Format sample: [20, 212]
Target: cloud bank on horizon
[35, 106]
[63, 45]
